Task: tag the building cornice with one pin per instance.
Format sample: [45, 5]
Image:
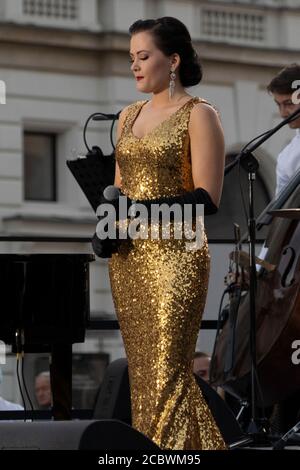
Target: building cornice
[106, 53]
[250, 7]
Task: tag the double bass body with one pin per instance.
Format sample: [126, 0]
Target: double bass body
[277, 322]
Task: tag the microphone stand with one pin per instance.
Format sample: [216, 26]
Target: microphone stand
[94, 171]
[256, 427]
[100, 117]
[283, 441]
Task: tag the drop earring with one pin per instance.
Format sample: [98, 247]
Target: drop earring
[172, 84]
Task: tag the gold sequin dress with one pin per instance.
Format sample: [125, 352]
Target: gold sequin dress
[159, 290]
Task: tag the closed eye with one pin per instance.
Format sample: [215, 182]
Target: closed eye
[141, 58]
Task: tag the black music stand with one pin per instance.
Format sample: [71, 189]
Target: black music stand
[93, 173]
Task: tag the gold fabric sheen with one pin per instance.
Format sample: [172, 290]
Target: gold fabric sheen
[159, 290]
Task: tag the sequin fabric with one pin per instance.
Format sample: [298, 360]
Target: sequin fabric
[159, 290]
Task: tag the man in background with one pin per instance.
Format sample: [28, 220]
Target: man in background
[201, 365]
[283, 88]
[42, 389]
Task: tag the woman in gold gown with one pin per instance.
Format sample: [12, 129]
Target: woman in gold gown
[167, 146]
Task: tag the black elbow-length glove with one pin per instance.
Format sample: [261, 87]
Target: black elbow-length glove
[105, 248]
[197, 196]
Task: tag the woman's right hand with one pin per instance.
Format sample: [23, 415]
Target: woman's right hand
[104, 248]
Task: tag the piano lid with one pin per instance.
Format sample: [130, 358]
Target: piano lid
[46, 296]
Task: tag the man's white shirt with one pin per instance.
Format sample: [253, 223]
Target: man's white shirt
[288, 162]
[6, 405]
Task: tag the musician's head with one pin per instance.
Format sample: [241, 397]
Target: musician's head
[201, 365]
[42, 389]
[157, 48]
[285, 88]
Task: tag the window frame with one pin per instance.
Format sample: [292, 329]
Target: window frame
[53, 166]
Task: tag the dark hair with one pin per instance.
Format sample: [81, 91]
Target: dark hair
[171, 36]
[198, 354]
[282, 82]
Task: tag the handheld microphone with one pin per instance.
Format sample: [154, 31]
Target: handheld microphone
[111, 193]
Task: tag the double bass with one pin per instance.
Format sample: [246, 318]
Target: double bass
[277, 315]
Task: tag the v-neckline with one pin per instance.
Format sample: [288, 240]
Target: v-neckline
[158, 125]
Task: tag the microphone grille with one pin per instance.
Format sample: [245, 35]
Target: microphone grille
[111, 193]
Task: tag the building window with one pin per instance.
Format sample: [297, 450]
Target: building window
[39, 166]
[236, 26]
[62, 9]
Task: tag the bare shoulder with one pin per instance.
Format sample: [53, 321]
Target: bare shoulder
[204, 112]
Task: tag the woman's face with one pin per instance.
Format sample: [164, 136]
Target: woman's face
[150, 67]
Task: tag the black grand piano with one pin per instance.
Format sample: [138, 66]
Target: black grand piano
[45, 308]
[45, 297]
